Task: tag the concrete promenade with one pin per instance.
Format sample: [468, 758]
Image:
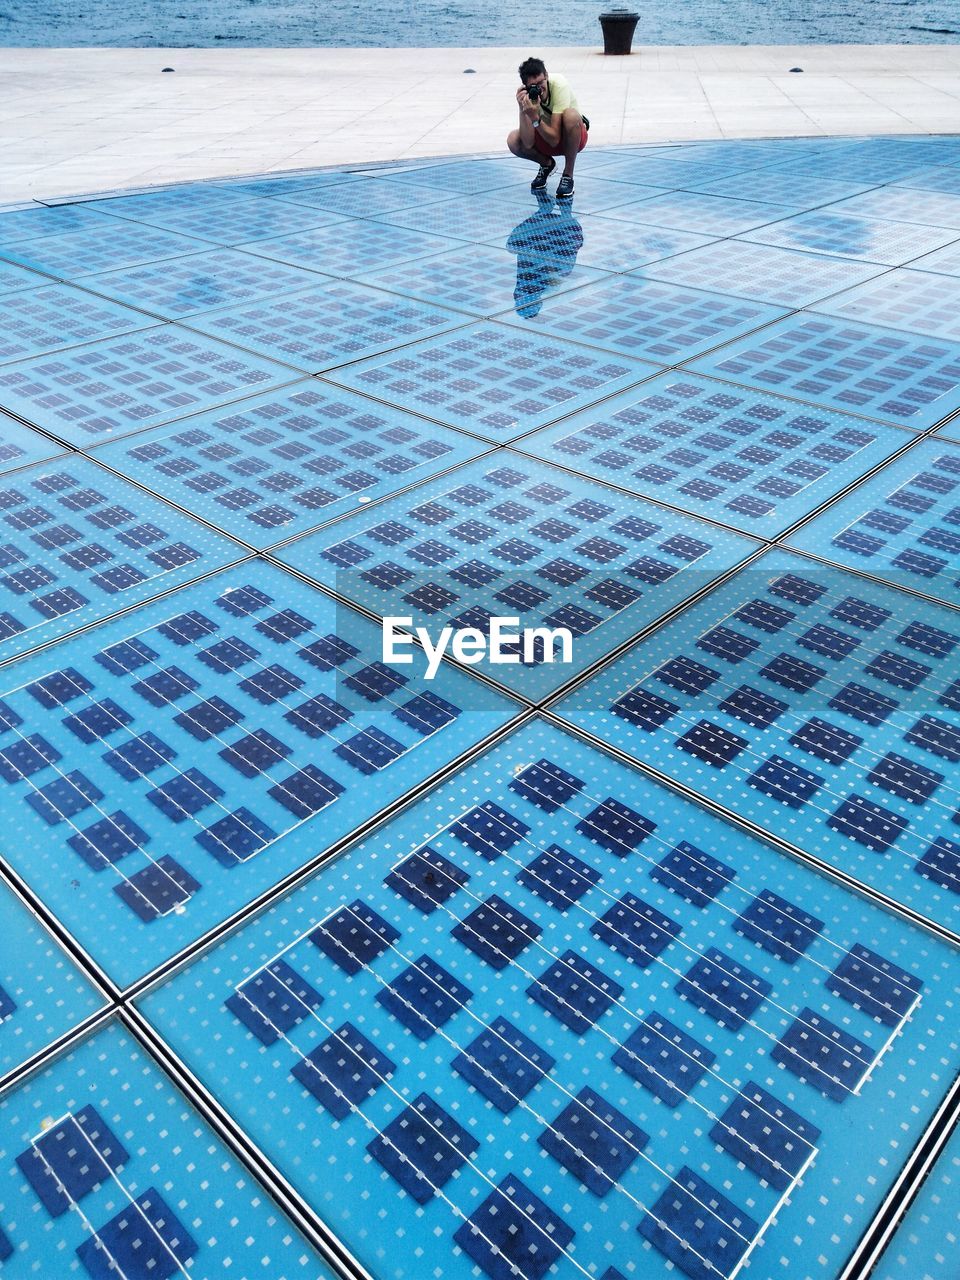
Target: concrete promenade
[76, 121]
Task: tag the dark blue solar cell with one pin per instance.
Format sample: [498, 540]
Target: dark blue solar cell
[786, 782]
[228, 655]
[712, 744]
[375, 681]
[558, 877]
[503, 1064]
[546, 785]
[370, 750]
[354, 936]
[236, 837]
[343, 1071]
[522, 596]
[273, 1001]
[928, 640]
[683, 547]
[727, 644]
[283, 627]
[185, 795]
[426, 713]
[723, 988]
[490, 830]
[697, 1228]
[188, 628]
[318, 715]
[271, 685]
[636, 930]
[97, 721]
[59, 688]
[26, 757]
[941, 864]
[329, 652]
[686, 675]
[644, 710]
[765, 616]
[306, 792]
[255, 753]
[9, 719]
[860, 613]
[868, 823]
[513, 1233]
[119, 578]
[109, 840]
[793, 673]
[829, 642]
[863, 704]
[950, 698]
[166, 686]
[574, 991]
[562, 572]
[55, 604]
[496, 932]
[826, 741]
[70, 1159]
[424, 997]
[129, 655]
[64, 797]
[779, 926]
[770, 1138]
[616, 827]
[937, 737]
[422, 1148]
[145, 1241]
[636, 528]
[242, 602]
[139, 757]
[877, 986]
[8, 1005]
[6, 1246]
[823, 1055]
[430, 598]
[753, 707]
[157, 889]
[693, 874]
[10, 626]
[893, 668]
[388, 575]
[905, 778]
[594, 1141]
[613, 594]
[426, 879]
[798, 590]
[208, 719]
[650, 569]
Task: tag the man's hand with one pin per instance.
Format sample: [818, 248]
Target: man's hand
[527, 106]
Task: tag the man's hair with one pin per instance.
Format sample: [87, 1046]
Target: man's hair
[532, 67]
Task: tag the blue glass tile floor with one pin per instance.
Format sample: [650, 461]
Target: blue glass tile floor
[636, 963]
[925, 1242]
[108, 1171]
[557, 998]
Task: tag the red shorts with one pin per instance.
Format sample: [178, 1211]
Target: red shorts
[545, 149]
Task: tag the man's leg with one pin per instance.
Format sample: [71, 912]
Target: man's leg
[570, 137]
[516, 145]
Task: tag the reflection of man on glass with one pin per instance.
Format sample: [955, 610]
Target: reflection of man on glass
[550, 125]
[546, 245]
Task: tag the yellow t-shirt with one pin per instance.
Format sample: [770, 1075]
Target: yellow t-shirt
[561, 97]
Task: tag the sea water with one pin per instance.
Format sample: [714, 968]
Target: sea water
[466, 23]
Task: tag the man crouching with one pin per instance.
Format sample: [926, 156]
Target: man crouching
[550, 125]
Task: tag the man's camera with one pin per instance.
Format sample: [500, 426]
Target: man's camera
[533, 92]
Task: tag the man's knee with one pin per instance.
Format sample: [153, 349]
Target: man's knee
[572, 119]
[513, 142]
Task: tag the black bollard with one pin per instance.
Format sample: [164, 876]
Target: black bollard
[618, 28]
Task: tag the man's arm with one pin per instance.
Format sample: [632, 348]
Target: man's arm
[529, 116]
